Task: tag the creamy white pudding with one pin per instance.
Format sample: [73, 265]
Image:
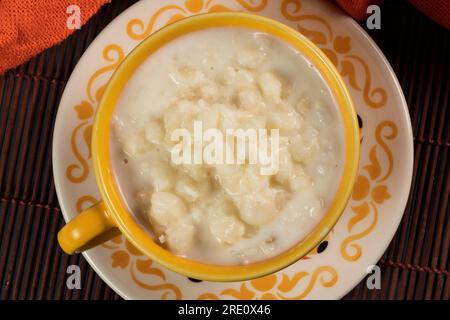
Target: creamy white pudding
[227, 78]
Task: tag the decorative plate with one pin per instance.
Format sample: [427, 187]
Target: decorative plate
[377, 203]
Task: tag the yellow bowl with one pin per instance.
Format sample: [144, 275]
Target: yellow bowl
[104, 220]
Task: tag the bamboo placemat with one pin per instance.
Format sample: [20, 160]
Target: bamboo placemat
[416, 264]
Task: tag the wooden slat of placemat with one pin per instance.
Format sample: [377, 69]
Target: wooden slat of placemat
[32, 266]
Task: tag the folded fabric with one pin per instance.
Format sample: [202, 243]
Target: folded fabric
[438, 10]
[356, 8]
[29, 27]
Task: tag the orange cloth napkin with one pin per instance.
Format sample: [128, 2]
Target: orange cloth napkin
[356, 8]
[438, 10]
[29, 27]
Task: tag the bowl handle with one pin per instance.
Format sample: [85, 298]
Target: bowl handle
[89, 229]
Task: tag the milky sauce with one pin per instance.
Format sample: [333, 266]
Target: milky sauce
[227, 78]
